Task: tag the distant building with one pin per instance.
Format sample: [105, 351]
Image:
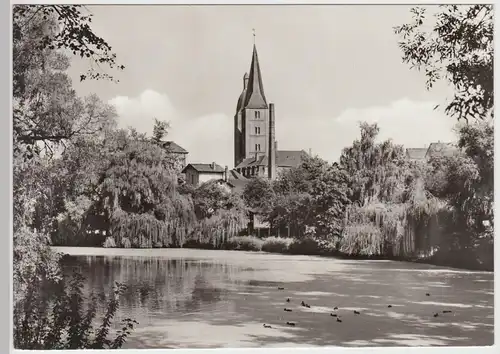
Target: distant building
[258, 167]
[197, 173]
[255, 147]
[434, 149]
[416, 154]
[442, 149]
[179, 153]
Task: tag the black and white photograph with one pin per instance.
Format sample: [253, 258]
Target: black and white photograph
[252, 176]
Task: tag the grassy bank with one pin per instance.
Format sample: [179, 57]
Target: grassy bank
[309, 247]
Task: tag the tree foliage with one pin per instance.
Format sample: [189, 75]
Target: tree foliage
[68, 27]
[377, 170]
[53, 316]
[48, 115]
[259, 194]
[311, 199]
[47, 111]
[456, 46]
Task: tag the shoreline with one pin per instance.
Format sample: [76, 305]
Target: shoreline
[213, 254]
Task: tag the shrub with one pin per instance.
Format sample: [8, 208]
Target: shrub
[126, 243]
[244, 243]
[158, 245]
[306, 246]
[146, 243]
[52, 316]
[109, 242]
[276, 244]
[362, 239]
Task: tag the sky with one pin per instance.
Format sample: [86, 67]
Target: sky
[326, 68]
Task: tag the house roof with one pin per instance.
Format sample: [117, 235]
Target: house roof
[173, 147]
[416, 153]
[254, 96]
[237, 180]
[284, 158]
[290, 158]
[252, 162]
[205, 168]
[441, 149]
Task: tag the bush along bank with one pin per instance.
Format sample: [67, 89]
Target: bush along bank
[480, 258]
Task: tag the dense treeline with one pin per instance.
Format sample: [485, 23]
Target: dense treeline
[440, 209]
[50, 120]
[79, 180]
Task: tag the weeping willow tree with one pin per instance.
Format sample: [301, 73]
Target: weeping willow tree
[391, 208]
[139, 198]
[221, 214]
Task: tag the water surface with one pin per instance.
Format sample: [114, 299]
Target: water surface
[210, 299]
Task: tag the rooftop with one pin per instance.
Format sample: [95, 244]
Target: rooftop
[416, 153]
[173, 147]
[254, 95]
[284, 158]
[442, 149]
[205, 167]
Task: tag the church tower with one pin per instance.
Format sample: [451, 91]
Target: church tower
[253, 129]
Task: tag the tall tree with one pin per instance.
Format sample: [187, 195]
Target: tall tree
[311, 197]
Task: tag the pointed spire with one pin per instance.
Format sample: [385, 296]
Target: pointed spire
[255, 98]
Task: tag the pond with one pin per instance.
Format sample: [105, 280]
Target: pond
[211, 299]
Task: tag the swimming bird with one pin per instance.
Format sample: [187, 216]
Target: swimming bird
[267, 326]
[446, 311]
[389, 306]
[290, 323]
[427, 294]
[357, 312]
[280, 288]
[288, 300]
[335, 308]
[333, 314]
[338, 319]
[302, 303]
[436, 314]
[288, 310]
[308, 306]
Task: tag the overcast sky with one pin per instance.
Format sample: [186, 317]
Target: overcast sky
[325, 67]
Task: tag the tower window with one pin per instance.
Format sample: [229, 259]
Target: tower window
[257, 130]
[257, 114]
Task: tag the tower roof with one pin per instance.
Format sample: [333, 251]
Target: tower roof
[254, 97]
[243, 93]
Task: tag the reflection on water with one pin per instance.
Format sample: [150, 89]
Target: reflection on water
[224, 302]
[158, 286]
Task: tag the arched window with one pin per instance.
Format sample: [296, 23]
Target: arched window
[256, 147]
[256, 130]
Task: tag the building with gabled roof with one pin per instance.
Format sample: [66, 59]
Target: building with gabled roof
[197, 173]
[433, 150]
[441, 149]
[179, 153]
[416, 154]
